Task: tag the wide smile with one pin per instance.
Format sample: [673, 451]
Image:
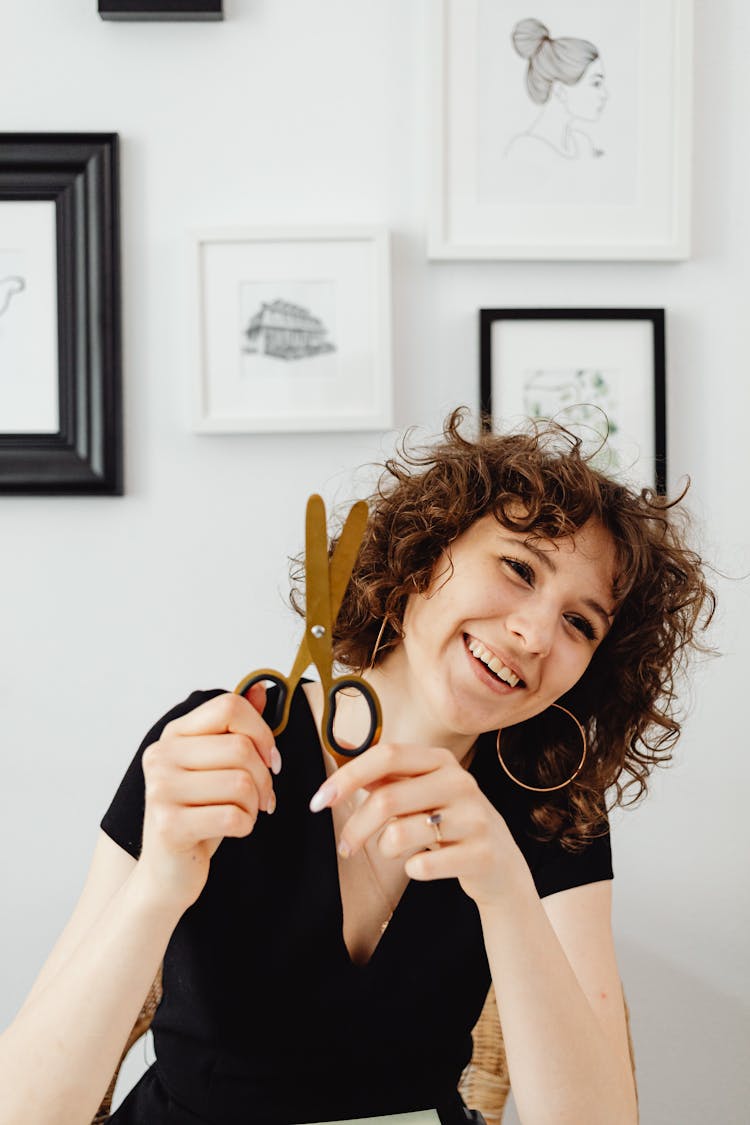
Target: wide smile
[489, 669]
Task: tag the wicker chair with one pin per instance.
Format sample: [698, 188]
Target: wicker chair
[484, 1083]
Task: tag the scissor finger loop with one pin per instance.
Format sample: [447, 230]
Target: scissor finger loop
[278, 719]
[363, 689]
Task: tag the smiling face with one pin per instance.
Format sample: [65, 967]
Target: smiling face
[534, 611]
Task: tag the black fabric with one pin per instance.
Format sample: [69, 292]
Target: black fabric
[265, 1020]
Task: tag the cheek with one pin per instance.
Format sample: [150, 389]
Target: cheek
[574, 665]
[416, 622]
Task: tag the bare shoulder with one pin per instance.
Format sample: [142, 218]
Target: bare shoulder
[110, 867]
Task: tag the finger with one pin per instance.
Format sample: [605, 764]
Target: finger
[214, 751]
[214, 787]
[399, 799]
[449, 862]
[256, 695]
[226, 713]
[207, 822]
[385, 760]
[226, 752]
[406, 835]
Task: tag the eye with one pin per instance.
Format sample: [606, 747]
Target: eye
[582, 625]
[522, 569]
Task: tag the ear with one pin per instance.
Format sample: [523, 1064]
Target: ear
[560, 92]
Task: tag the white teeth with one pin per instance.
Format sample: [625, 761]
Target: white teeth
[477, 649]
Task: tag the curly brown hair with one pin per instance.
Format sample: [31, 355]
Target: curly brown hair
[541, 482]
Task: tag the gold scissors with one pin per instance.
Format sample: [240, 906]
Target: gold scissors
[325, 586]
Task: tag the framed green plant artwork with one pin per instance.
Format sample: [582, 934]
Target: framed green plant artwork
[598, 372]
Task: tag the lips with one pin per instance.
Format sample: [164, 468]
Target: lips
[493, 664]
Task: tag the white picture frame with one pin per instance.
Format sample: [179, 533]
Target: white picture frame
[294, 330]
[598, 170]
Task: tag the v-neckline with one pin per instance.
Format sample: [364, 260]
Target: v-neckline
[330, 835]
[332, 859]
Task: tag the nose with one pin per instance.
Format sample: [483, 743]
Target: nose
[534, 627]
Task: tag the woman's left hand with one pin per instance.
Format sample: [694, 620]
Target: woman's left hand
[405, 784]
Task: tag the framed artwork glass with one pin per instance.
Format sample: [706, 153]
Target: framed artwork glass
[60, 366]
[561, 129]
[599, 372]
[294, 330]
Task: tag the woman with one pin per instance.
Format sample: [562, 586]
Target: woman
[330, 959]
[566, 77]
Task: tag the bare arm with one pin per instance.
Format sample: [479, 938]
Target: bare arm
[207, 777]
[560, 1002]
[58, 1056]
[110, 867]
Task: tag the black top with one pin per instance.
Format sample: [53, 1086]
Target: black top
[265, 1020]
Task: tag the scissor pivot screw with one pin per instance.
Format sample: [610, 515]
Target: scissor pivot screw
[318, 630]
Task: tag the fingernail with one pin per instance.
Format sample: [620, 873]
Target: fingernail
[323, 797]
[275, 761]
[271, 806]
[344, 850]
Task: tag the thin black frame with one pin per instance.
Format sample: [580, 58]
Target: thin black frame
[79, 172]
[161, 9]
[487, 318]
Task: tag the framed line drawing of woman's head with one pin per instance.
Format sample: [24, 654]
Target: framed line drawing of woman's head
[561, 130]
[565, 81]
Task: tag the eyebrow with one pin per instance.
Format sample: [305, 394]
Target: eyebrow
[544, 557]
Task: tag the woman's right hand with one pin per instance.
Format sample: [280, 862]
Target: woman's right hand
[207, 777]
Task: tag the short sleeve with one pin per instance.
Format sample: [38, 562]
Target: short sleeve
[559, 870]
[123, 820]
[553, 867]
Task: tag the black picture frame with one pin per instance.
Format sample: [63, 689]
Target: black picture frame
[79, 173]
[161, 9]
[488, 318]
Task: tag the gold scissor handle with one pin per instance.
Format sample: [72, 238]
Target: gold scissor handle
[280, 715]
[333, 746]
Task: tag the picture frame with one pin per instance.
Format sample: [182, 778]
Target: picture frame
[161, 9]
[599, 372]
[294, 330]
[579, 151]
[60, 395]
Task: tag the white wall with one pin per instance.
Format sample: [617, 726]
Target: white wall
[112, 609]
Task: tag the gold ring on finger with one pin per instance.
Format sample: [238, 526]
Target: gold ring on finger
[435, 819]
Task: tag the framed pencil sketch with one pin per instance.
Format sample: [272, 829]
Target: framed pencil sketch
[561, 129]
[294, 330]
[60, 367]
[599, 372]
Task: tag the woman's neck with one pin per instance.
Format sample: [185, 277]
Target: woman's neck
[407, 716]
[555, 126]
[404, 721]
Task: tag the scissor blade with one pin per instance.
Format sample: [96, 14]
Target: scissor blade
[317, 586]
[345, 554]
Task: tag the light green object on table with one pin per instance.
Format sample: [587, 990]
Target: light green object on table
[424, 1117]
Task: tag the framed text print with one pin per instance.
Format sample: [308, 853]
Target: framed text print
[561, 129]
[598, 372]
[294, 330]
[60, 411]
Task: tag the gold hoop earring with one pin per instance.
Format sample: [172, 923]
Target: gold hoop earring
[377, 645]
[549, 788]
